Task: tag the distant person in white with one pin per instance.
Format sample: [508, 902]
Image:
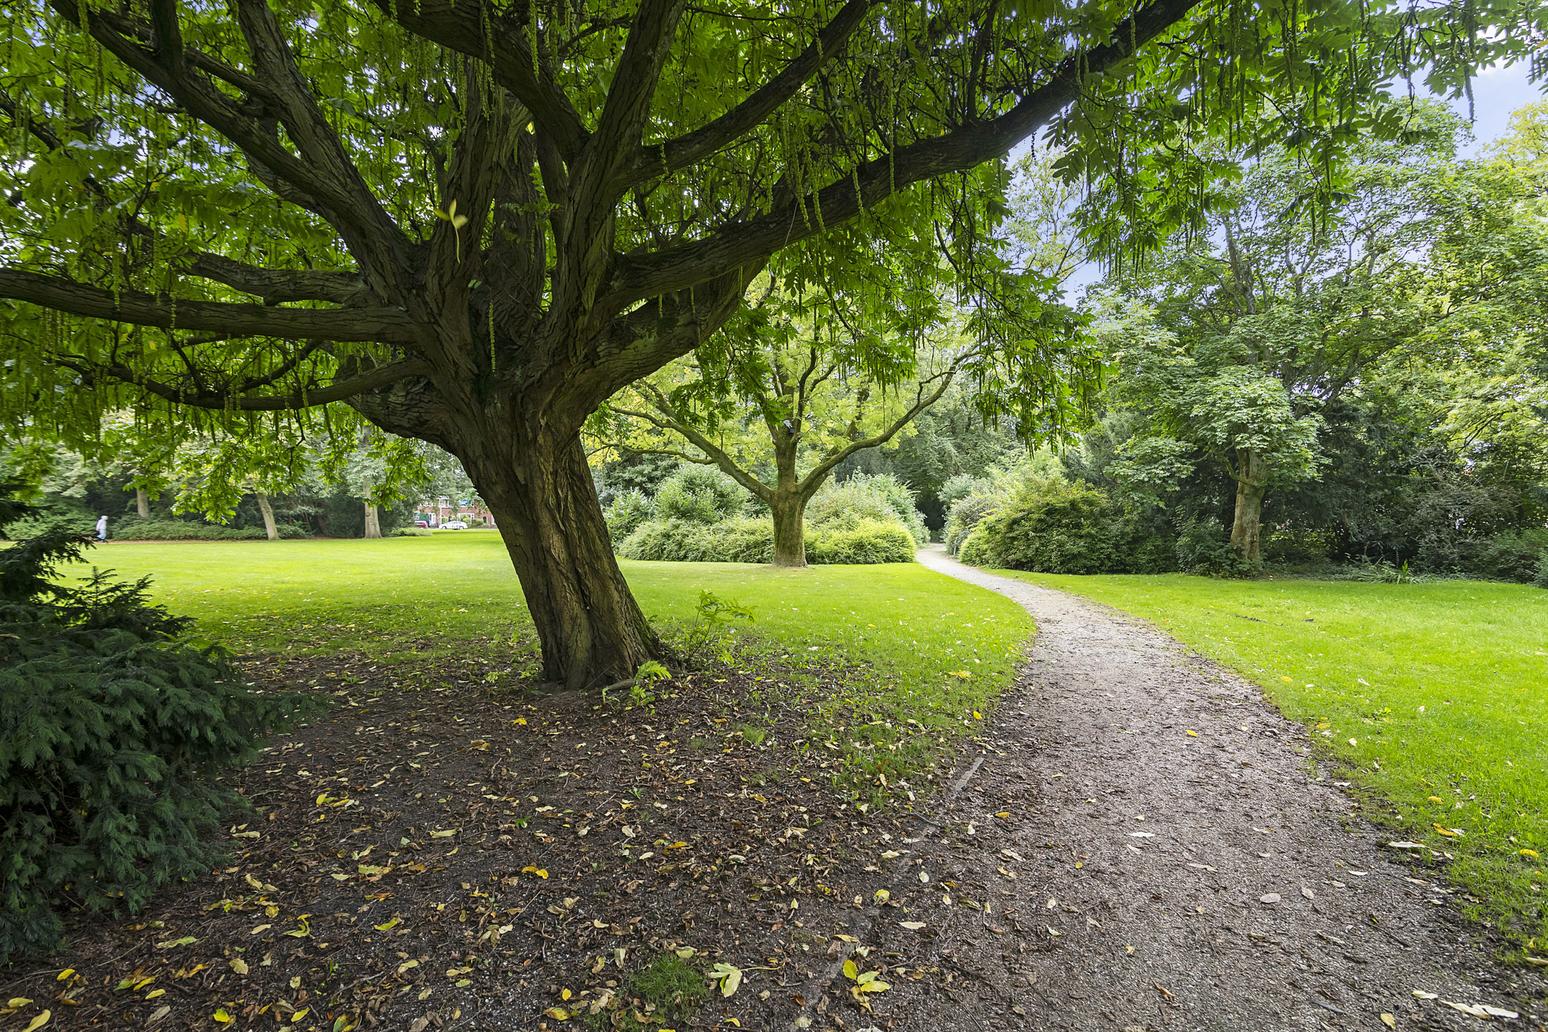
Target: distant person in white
[101, 528]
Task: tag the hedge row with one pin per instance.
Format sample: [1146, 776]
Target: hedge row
[751, 540]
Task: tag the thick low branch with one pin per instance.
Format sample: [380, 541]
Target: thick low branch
[274, 285]
[379, 324]
[640, 276]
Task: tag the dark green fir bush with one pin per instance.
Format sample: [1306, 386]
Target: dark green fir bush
[114, 729]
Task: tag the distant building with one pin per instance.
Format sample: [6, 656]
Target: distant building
[440, 511]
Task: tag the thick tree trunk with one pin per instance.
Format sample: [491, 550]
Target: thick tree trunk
[1246, 527]
[142, 503]
[789, 511]
[270, 531]
[541, 495]
[373, 521]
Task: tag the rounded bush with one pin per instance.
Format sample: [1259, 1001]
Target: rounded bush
[875, 499]
[1049, 527]
[868, 541]
[626, 513]
[965, 516]
[748, 539]
[698, 494]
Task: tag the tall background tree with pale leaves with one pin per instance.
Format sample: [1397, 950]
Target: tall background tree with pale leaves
[472, 222]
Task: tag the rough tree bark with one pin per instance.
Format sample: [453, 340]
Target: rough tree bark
[373, 521]
[270, 530]
[789, 509]
[546, 508]
[1246, 527]
[142, 503]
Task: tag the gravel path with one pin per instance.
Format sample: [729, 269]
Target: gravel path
[1147, 847]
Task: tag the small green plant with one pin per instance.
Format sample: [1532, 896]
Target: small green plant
[667, 992]
[1540, 575]
[712, 630]
[641, 686]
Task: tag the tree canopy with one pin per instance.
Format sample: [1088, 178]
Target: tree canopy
[472, 222]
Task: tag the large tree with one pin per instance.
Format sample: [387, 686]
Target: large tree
[473, 221]
[1237, 342]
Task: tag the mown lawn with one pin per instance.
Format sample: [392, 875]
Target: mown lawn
[913, 645]
[1434, 696]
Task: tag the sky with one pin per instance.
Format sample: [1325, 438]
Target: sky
[1497, 92]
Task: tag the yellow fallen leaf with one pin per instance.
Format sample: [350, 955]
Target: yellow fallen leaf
[17, 1002]
[39, 1021]
[223, 1016]
[443, 833]
[540, 872]
[1530, 854]
[1004, 815]
[1448, 832]
[387, 926]
[557, 1013]
[1192, 733]
[238, 965]
[1388, 1020]
[1436, 799]
[66, 973]
[851, 972]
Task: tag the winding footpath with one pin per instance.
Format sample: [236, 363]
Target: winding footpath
[1148, 847]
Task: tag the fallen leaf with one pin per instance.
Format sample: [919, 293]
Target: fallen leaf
[39, 1021]
[1388, 1020]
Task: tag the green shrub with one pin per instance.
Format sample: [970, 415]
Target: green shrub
[1202, 548]
[960, 485]
[1540, 576]
[409, 532]
[699, 494]
[627, 511]
[113, 729]
[863, 498]
[748, 539]
[964, 517]
[1050, 526]
[972, 550]
[869, 541]
[1512, 555]
[134, 529]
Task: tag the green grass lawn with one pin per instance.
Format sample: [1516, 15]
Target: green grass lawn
[930, 649]
[1434, 696]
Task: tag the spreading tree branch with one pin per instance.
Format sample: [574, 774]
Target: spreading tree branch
[668, 156]
[639, 276]
[378, 323]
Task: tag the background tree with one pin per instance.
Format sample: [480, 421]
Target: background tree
[474, 222]
[781, 400]
[1243, 336]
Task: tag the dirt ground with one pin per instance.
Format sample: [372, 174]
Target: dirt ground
[445, 852]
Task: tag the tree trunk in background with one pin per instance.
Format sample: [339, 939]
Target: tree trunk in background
[270, 531]
[545, 506]
[142, 503]
[789, 509]
[373, 521]
[1246, 527]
